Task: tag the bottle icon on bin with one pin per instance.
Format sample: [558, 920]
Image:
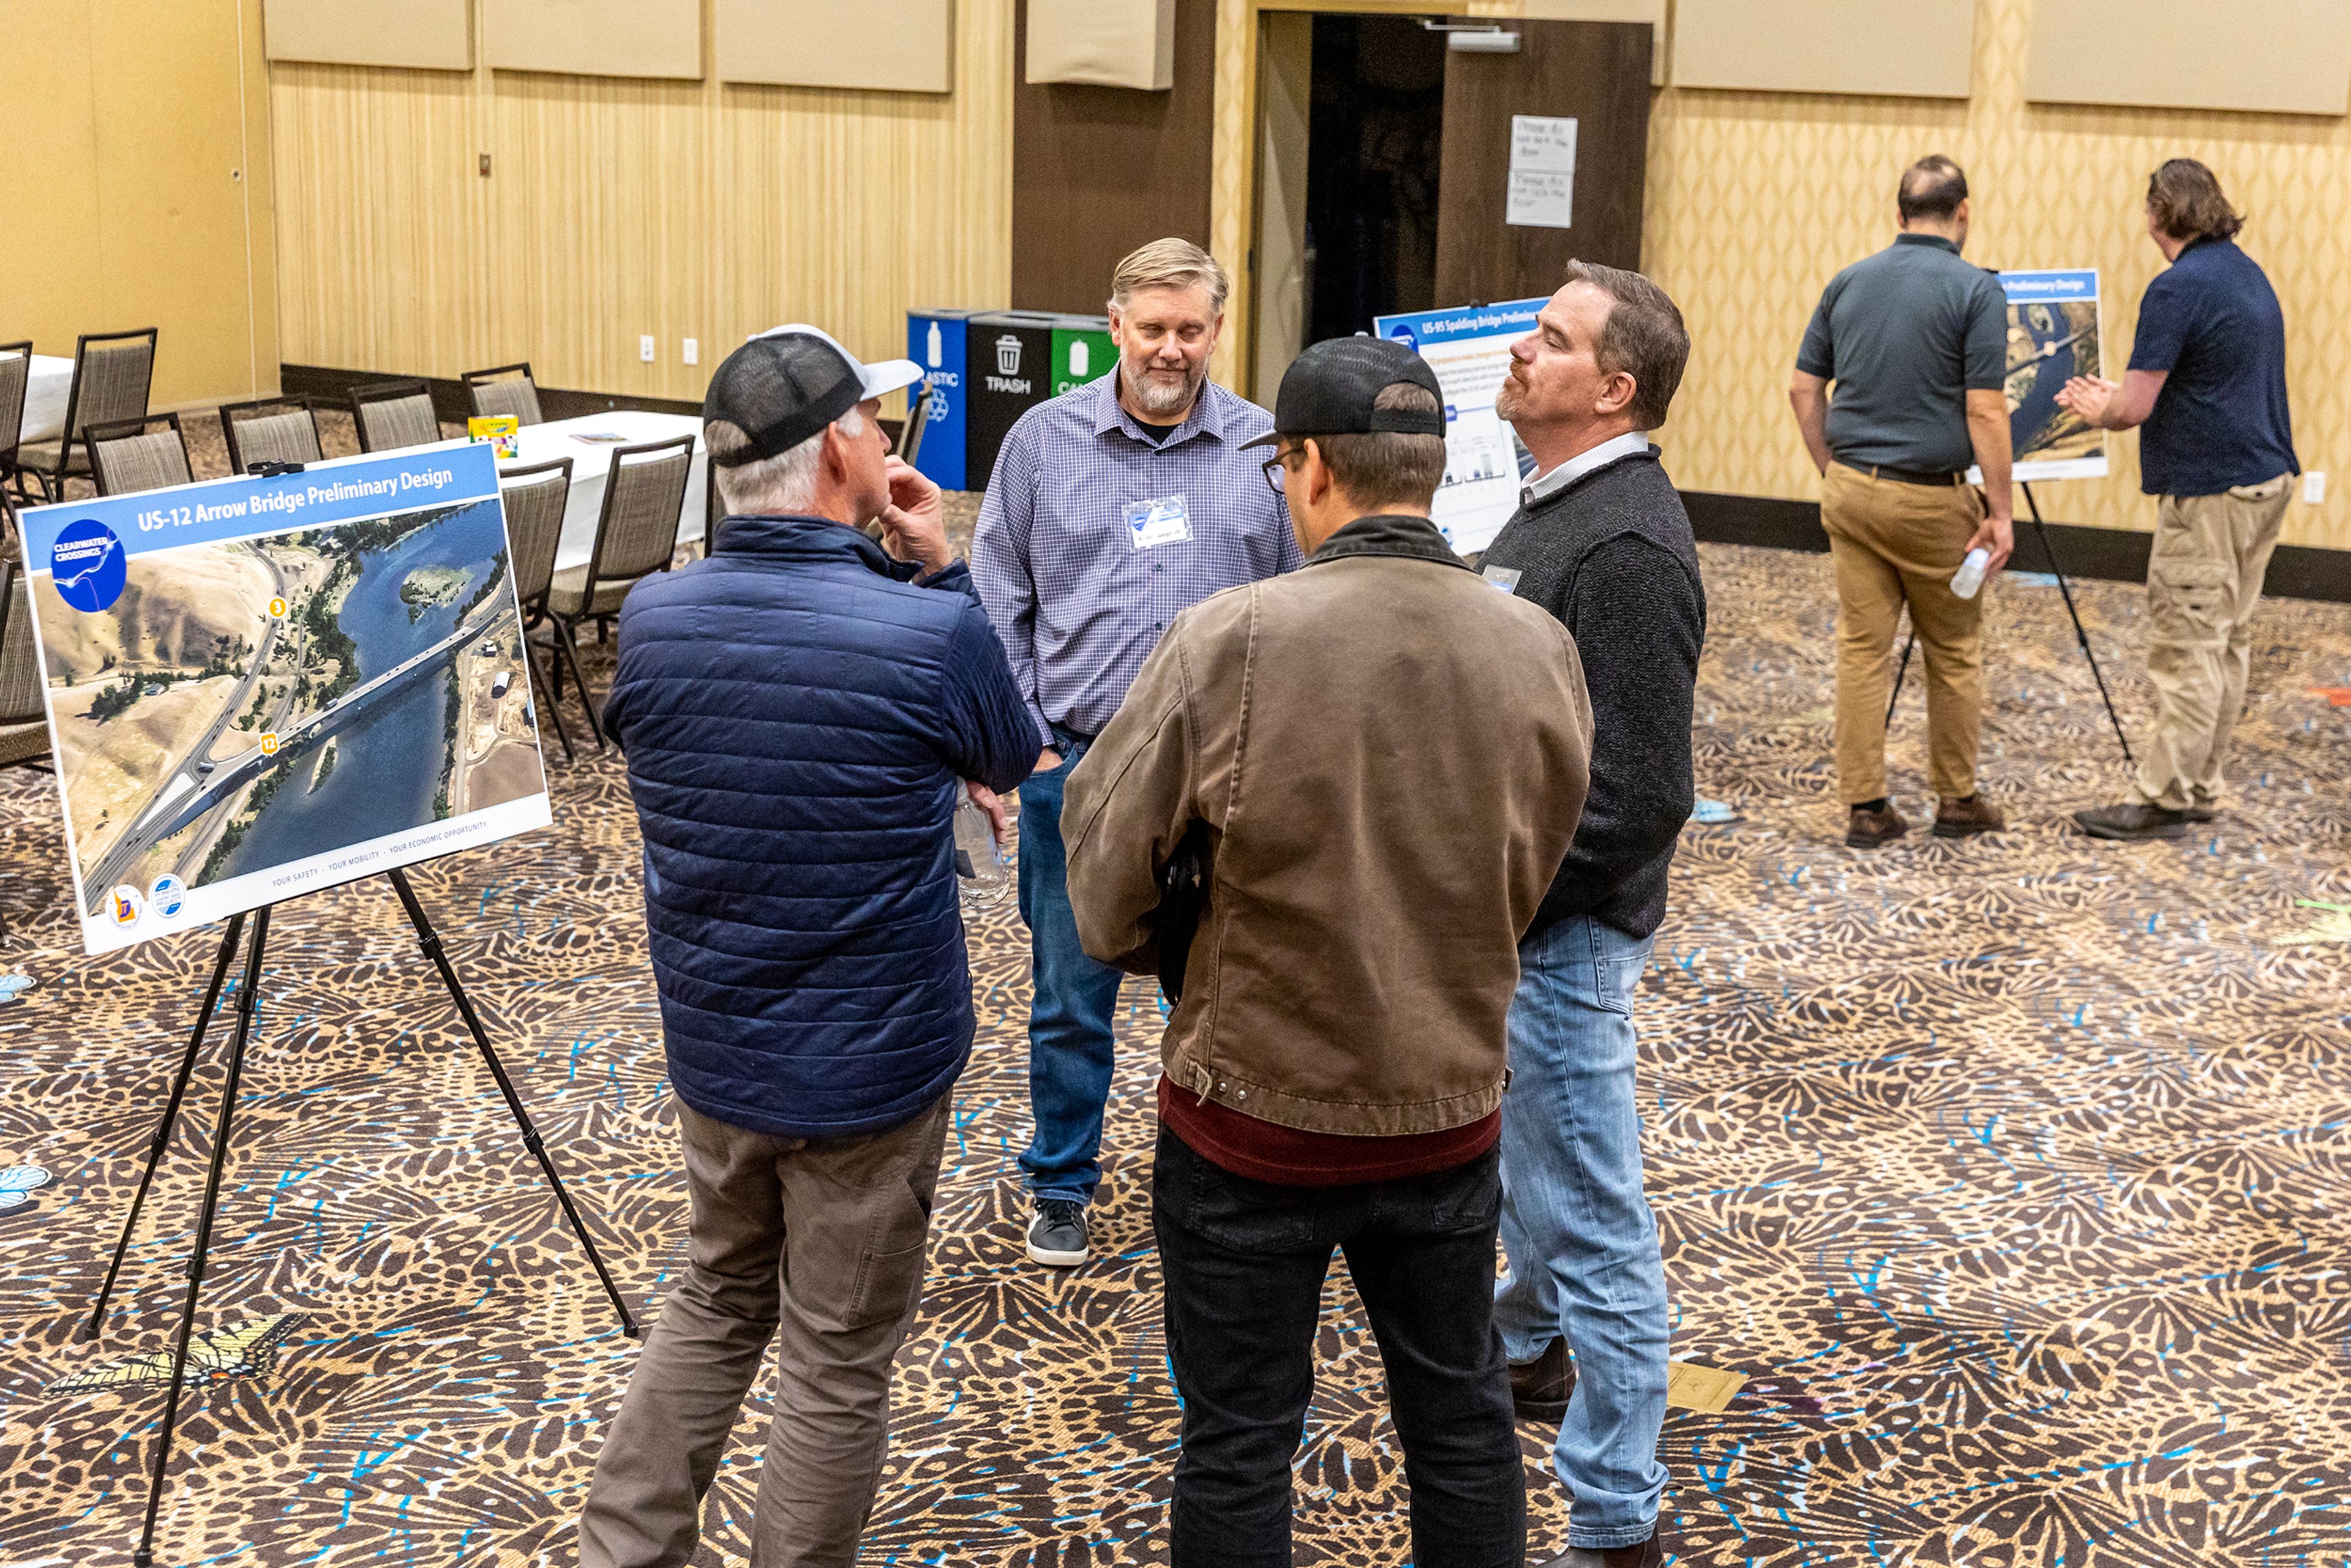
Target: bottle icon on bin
[934, 347]
[1079, 358]
[1008, 355]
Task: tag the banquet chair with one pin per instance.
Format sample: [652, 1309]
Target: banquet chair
[270, 430]
[128, 456]
[24, 729]
[15, 372]
[111, 374]
[535, 497]
[636, 536]
[390, 414]
[505, 390]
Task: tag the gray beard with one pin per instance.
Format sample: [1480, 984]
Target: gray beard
[1157, 397]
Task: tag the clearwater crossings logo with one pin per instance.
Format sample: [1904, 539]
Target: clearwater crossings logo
[88, 564]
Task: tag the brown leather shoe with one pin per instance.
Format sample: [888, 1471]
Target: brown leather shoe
[1957, 818]
[1649, 1554]
[1865, 830]
[2133, 820]
[1539, 1389]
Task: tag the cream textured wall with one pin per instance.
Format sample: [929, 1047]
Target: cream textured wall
[619, 207]
[1756, 199]
[137, 151]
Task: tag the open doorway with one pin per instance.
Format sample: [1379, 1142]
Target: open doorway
[1384, 165]
[1351, 138]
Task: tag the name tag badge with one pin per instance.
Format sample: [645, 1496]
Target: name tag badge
[1505, 578]
[1160, 521]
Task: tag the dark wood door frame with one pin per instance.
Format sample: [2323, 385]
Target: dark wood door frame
[1097, 170]
[1596, 73]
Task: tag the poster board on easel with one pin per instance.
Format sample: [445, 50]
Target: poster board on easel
[260, 687]
[2055, 332]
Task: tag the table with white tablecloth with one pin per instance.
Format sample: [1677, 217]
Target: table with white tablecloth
[591, 464]
[45, 398]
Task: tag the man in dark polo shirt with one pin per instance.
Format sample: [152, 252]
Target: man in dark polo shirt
[2207, 378]
[1385, 759]
[1916, 341]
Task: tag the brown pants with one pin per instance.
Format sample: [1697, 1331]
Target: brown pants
[824, 1240]
[1897, 544]
[2202, 585]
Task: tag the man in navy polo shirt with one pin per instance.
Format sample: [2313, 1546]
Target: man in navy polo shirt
[2206, 379]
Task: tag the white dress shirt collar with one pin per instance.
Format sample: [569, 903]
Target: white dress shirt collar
[1544, 486]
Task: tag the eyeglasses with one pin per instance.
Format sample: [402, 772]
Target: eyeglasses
[1276, 467]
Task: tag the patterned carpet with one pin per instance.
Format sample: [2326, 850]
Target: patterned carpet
[2010, 1174]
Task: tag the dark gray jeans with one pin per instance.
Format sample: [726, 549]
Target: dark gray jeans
[823, 1240]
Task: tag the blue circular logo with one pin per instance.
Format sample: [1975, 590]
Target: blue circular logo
[167, 895]
[1400, 333]
[88, 565]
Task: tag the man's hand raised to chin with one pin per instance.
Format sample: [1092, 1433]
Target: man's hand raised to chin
[915, 523]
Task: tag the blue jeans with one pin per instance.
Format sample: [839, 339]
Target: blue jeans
[1069, 1041]
[1576, 1230]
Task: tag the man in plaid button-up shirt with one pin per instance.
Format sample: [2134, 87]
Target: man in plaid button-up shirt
[1112, 508]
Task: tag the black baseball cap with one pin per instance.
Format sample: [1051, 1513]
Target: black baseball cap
[789, 382]
[1328, 390]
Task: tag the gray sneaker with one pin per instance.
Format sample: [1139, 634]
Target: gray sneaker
[1057, 1237]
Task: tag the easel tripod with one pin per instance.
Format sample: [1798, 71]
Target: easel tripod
[430, 941]
[2081, 636]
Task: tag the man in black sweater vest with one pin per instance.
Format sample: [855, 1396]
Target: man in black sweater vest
[1601, 541]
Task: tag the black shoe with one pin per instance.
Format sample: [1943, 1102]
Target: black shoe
[2200, 813]
[2132, 822]
[1649, 1554]
[1057, 1237]
[1539, 1389]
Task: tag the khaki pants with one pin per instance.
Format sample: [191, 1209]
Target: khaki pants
[2202, 585]
[824, 1240]
[1897, 544]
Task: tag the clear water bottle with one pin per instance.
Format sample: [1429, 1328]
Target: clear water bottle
[983, 866]
[1970, 575]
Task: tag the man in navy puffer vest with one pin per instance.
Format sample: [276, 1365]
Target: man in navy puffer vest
[796, 711]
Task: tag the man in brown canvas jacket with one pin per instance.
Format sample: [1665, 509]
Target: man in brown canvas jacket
[1387, 759]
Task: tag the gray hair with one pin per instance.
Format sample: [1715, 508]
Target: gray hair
[770, 486]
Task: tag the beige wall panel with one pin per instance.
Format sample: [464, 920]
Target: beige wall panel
[1756, 199]
[618, 208]
[901, 46]
[1913, 48]
[433, 34]
[1104, 42]
[594, 37]
[2288, 57]
[130, 146]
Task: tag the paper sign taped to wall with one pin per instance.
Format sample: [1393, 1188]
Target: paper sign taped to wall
[1543, 172]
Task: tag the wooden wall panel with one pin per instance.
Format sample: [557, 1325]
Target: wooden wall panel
[1098, 171]
[2286, 57]
[617, 208]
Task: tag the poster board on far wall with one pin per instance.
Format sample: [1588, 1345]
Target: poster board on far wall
[2282, 57]
[257, 688]
[887, 46]
[595, 37]
[1900, 49]
[431, 35]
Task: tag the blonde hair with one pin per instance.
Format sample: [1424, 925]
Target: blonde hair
[1168, 263]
